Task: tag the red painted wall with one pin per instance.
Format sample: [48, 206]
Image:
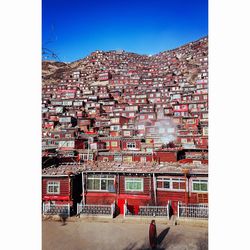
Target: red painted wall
[65, 190]
[192, 160]
[164, 196]
[103, 198]
[164, 156]
[101, 157]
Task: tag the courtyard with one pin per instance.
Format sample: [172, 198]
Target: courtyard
[84, 235]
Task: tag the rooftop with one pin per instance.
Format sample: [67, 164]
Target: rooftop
[115, 167]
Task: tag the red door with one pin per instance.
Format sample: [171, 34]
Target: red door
[121, 203]
[175, 207]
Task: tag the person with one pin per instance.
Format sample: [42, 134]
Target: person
[152, 235]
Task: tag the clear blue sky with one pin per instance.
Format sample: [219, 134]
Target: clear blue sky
[75, 28]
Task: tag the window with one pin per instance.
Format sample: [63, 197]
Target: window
[126, 133]
[101, 183]
[86, 157]
[170, 130]
[53, 187]
[114, 144]
[127, 158]
[190, 121]
[205, 131]
[196, 162]
[192, 106]
[161, 130]
[183, 140]
[65, 144]
[178, 184]
[199, 185]
[141, 127]
[205, 115]
[134, 184]
[115, 128]
[165, 183]
[131, 145]
[115, 120]
[118, 158]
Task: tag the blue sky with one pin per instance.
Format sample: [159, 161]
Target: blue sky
[75, 28]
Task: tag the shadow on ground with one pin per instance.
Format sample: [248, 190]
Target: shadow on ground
[63, 218]
[146, 246]
[164, 243]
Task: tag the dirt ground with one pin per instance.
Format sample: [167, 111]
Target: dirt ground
[83, 235]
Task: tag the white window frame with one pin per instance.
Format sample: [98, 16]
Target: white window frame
[184, 140]
[127, 133]
[53, 184]
[171, 180]
[114, 142]
[127, 158]
[199, 181]
[131, 145]
[205, 116]
[100, 178]
[115, 127]
[134, 180]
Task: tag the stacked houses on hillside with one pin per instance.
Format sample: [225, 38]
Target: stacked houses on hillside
[122, 108]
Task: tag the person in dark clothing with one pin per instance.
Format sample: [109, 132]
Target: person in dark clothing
[152, 235]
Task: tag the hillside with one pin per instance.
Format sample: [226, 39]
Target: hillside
[182, 61]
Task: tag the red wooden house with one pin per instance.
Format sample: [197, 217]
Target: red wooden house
[59, 187]
[140, 185]
[113, 143]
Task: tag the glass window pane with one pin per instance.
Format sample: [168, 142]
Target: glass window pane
[196, 186]
[166, 184]
[90, 184]
[175, 185]
[56, 189]
[203, 187]
[96, 184]
[103, 185]
[159, 184]
[182, 185]
[111, 187]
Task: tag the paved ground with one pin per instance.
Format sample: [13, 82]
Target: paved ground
[84, 235]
